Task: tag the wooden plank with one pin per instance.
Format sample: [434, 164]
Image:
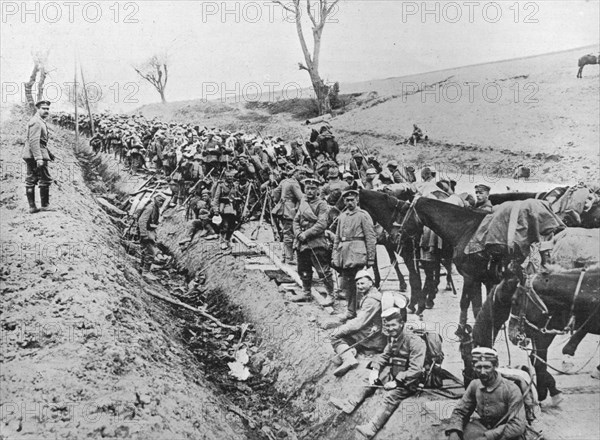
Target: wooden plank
[285, 268]
[109, 206]
[261, 267]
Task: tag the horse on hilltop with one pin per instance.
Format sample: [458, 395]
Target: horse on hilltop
[585, 60]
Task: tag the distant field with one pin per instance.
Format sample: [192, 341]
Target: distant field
[491, 116]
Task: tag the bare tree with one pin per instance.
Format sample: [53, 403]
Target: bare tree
[40, 66]
[156, 72]
[317, 12]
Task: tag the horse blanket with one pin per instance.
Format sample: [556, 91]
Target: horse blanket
[514, 226]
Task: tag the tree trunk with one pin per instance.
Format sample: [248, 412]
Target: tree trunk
[29, 87]
[162, 96]
[43, 74]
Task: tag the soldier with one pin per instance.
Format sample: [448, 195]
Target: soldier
[36, 156]
[147, 224]
[353, 247]
[482, 194]
[96, 142]
[202, 209]
[397, 176]
[314, 252]
[334, 182]
[364, 330]
[358, 165]
[287, 197]
[416, 136]
[428, 184]
[226, 195]
[297, 155]
[497, 401]
[372, 181]
[398, 369]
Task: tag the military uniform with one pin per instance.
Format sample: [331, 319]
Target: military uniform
[492, 403]
[223, 202]
[485, 206]
[332, 185]
[147, 224]
[36, 149]
[314, 251]
[402, 361]
[367, 322]
[353, 249]
[287, 197]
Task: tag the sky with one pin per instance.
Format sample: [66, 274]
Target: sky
[220, 48]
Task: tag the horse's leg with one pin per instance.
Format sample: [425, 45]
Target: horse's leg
[414, 276]
[471, 293]
[429, 288]
[447, 253]
[571, 346]
[393, 260]
[376, 272]
[545, 381]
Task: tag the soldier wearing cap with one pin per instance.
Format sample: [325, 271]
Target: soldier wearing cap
[372, 181]
[309, 227]
[353, 247]
[201, 207]
[358, 165]
[399, 369]
[223, 203]
[497, 401]
[147, 224]
[334, 182]
[365, 329]
[36, 155]
[397, 176]
[287, 197]
[482, 194]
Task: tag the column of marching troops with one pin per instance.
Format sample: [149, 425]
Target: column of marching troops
[227, 178]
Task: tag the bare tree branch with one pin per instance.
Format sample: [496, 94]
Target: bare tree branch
[155, 71]
[280, 3]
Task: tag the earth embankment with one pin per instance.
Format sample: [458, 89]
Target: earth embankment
[85, 352]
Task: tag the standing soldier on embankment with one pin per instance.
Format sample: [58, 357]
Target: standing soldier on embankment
[36, 155]
[353, 248]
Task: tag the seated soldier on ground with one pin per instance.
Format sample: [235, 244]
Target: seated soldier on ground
[497, 401]
[201, 224]
[416, 136]
[399, 369]
[364, 330]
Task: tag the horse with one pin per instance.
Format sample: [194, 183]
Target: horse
[383, 209]
[495, 311]
[556, 303]
[456, 226]
[325, 144]
[552, 195]
[584, 61]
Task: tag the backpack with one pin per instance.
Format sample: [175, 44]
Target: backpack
[434, 356]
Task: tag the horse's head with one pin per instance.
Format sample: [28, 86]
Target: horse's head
[528, 312]
[411, 225]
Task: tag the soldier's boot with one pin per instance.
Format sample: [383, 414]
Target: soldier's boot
[369, 429]
[31, 200]
[328, 282]
[349, 361]
[350, 404]
[288, 252]
[45, 198]
[305, 295]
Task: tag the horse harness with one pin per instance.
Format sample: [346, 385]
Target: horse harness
[537, 301]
